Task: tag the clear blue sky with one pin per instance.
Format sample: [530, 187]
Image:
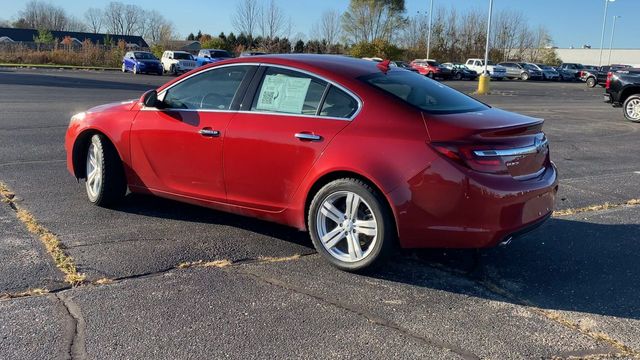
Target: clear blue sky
[571, 22]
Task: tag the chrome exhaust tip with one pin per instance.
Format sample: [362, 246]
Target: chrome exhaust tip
[506, 241]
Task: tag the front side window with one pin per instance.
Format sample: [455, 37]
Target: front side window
[211, 90]
[288, 91]
[425, 94]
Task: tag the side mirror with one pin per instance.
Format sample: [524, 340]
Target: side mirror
[150, 99]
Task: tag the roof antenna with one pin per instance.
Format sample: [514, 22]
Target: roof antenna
[384, 66]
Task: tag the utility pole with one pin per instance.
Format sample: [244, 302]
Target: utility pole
[429, 32]
[613, 30]
[604, 24]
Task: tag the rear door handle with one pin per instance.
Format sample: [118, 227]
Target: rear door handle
[209, 132]
[308, 137]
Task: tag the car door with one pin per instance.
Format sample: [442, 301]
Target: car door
[178, 149]
[285, 124]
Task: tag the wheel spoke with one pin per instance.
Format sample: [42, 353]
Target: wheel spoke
[353, 201]
[332, 212]
[355, 251]
[366, 227]
[333, 237]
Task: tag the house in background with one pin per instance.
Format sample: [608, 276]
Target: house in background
[190, 46]
[27, 36]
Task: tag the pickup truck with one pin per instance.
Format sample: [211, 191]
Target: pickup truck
[495, 71]
[599, 76]
[208, 56]
[623, 89]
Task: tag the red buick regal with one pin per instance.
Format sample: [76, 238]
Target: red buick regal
[364, 157]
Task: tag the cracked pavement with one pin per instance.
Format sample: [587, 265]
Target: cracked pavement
[570, 289]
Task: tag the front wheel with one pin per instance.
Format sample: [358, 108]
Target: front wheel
[105, 181]
[591, 82]
[124, 68]
[135, 69]
[458, 76]
[350, 225]
[631, 108]
[524, 76]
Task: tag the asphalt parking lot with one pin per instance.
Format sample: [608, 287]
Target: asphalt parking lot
[168, 280]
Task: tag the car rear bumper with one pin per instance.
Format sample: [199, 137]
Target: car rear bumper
[449, 207]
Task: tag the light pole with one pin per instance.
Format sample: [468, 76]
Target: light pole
[604, 24]
[483, 79]
[429, 32]
[613, 30]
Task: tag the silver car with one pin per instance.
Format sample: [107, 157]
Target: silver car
[548, 72]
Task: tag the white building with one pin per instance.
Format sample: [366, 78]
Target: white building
[591, 56]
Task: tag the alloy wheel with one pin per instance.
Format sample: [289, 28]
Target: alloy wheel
[632, 109]
[94, 171]
[347, 226]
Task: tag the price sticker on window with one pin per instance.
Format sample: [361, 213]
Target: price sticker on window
[281, 93]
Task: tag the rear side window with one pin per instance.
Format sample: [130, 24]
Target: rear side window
[423, 93]
[338, 104]
[288, 91]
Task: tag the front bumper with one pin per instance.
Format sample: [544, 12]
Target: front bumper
[469, 209]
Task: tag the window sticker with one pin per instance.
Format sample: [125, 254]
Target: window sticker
[281, 93]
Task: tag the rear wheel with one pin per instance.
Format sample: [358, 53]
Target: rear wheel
[631, 108]
[430, 75]
[350, 225]
[458, 76]
[124, 68]
[524, 76]
[135, 69]
[105, 181]
[591, 82]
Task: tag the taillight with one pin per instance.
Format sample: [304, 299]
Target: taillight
[581, 73]
[464, 154]
[608, 83]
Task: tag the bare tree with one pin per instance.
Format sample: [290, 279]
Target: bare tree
[93, 18]
[75, 24]
[158, 30]
[272, 21]
[41, 15]
[247, 16]
[329, 27]
[124, 19]
[368, 20]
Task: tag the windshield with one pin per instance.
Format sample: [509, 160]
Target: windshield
[433, 63]
[530, 67]
[546, 67]
[182, 56]
[220, 54]
[144, 56]
[426, 94]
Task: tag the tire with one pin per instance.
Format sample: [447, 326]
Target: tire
[105, 182]
[372, 226]
[631, 108]
[591, 82]
[430, 75]
[124, 68]
[135, 70]
[173, 70]
[458, 76]
[524, 76]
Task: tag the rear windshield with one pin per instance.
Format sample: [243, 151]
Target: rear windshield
[182, 56]
[220, 54]
[145, 56]
[426, 94]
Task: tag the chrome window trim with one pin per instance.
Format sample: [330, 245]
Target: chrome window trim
[332, 83]
[513, 152]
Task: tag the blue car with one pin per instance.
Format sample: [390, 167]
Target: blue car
[141, 62]
[208, 56]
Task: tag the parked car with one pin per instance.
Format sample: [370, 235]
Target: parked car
[431, 68]
[313, 142]
[208, 56]
[141, 62]
[522, 71]
[252, 53]
[623, 89]
[599, 77]
[570, 71]
[404, 65]
[460, 71]
[176, 62]
[495, 71]
[548, 72]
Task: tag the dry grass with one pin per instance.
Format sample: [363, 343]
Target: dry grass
[268, 259]
[50, 240]
[30, 292]
[205, 264]
[605, 206]
[103, 281]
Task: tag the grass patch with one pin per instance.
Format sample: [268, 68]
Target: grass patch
[268, 259]
[50, 240]
[55, 66]
[590, 208]
[202, 263]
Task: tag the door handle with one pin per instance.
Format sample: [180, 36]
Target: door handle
[209, 132]
[308, 137]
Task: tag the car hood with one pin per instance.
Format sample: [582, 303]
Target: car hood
[115, 106]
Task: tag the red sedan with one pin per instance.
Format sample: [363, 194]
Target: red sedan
[363, 156]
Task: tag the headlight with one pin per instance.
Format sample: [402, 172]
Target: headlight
[78, 117]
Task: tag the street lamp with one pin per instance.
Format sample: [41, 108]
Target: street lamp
[613, 30]
[429, 33]
[604, 24]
